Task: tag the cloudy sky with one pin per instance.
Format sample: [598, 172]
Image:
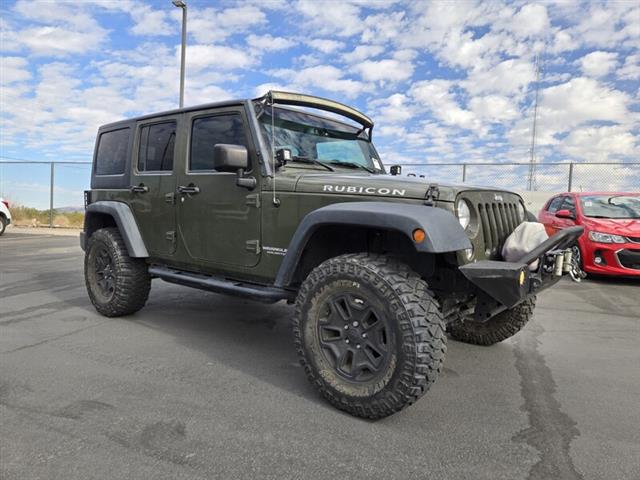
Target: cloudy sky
[445, 81]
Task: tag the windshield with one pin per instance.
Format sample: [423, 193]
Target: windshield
[611, 206]
[311, 138]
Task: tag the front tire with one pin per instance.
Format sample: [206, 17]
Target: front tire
[117, 284]
[369, 334]
[3, 224]
[504, 325]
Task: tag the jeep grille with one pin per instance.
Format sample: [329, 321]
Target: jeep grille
[497, 220]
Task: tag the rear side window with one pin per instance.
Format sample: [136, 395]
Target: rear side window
[112, 153]
[206, 132]
[156, 147]
[555, 204]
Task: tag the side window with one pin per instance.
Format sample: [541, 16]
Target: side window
[206, 132]
[569, 204]
[112, 152]
[156, 147]
[555, 204]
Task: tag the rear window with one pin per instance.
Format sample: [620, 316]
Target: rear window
[156, 147]
[113, 147]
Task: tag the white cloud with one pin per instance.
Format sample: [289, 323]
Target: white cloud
[59, 41]
[598, 63]
[13, 69]
[531, 20]
[210, 25]
[325, 45]
[631, 68]
[436, 95]
[363, 52]
[325, 77]
[387, 70]
[217, 57]
[151, 22]
[494, 108]
[507, 78]
[595, 144]
[339, 18]
[268, 43]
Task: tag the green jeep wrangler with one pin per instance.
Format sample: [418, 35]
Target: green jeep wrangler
[266, 200]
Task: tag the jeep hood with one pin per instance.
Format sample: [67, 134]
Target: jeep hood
[377, 186]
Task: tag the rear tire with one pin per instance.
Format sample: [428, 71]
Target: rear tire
[496, 329]
[117, 284]
[369, 334]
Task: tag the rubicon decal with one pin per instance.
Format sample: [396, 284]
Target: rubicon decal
[363, 190]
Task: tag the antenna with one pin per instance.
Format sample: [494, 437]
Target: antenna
[532, 162]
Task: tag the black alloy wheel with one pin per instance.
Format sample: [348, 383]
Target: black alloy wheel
[354, 337]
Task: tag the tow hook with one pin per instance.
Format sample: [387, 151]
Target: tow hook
[562, 261]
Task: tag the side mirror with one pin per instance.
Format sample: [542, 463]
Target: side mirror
[230, 158]
[565, 214]
[395, 169]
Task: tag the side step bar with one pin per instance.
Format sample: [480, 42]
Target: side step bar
[221, 285]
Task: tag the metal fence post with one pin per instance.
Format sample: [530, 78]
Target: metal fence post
[53, 166]
[570, 176]
[464, 172]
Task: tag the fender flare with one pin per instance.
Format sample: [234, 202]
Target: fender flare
[444, 232]
[125, 221]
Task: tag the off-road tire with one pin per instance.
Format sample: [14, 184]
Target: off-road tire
[495, 330]
[3, 224]
[416, 343]
[131, 280]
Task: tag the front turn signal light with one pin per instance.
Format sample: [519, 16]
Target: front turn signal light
[419, 235]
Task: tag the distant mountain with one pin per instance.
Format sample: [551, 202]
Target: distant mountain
[69, 209]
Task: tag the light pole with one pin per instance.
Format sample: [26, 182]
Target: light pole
[183, 6]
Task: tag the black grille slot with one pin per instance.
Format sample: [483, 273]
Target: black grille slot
[497, 220]
[629, 259]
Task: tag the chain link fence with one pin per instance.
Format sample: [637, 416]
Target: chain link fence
[55, 189]
[547, 177]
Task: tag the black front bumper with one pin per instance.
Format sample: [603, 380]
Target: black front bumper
[503, 285]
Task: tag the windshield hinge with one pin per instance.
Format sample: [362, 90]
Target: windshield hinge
[432, 196]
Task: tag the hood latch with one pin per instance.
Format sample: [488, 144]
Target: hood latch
[432, 196]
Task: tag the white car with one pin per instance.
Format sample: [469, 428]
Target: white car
[5, 215]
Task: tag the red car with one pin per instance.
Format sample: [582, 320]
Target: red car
[610, 244]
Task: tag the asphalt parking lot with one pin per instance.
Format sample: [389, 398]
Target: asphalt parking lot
[199, 385]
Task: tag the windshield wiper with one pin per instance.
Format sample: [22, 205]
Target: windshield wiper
[353, 165]
[300, 159]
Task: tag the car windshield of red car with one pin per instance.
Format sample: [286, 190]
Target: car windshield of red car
[608, 206]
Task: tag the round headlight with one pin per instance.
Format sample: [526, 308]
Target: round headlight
[521, 212]
[464, 213]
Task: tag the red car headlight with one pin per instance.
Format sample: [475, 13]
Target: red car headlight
[606, 237]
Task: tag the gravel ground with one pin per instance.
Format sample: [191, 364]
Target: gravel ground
[199, 385]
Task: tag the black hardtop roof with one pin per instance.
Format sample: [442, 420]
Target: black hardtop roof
[193, 108]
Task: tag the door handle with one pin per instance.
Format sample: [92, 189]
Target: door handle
[139, 188]
[190, 189]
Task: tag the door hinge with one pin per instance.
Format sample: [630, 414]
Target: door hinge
[170, 198]
[253, 200]
[253, 246]
[171, 236]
